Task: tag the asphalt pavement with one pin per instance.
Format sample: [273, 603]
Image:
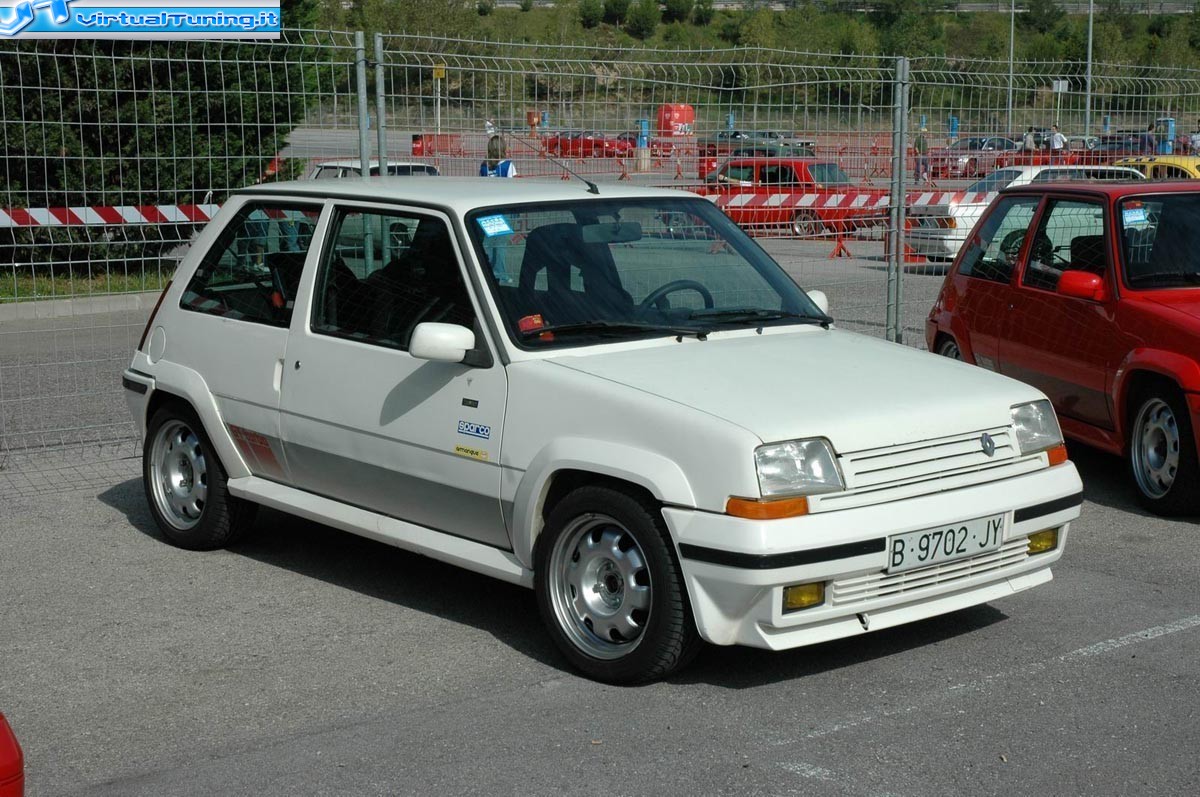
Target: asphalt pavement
[309, 661]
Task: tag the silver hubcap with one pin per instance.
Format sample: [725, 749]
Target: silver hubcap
[805, 225]
[600, 586]
[1155, 449]
[178, 475]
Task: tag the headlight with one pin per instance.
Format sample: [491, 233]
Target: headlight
[1036, 427]
[797, 467]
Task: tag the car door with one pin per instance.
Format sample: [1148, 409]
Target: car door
[983, 277]
[366, 423]
[1064, 345]
[237, 307]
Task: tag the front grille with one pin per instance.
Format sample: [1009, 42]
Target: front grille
[861, 589]
[929, 466]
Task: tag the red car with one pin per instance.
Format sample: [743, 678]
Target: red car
[588, 144]
[808, 196]
[1091, 292]
[970, 157]
[12, 763]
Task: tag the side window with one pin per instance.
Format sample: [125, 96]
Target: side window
[1069, 237]
[1175, 173]
[328, 173]
[253, 270]
[383, 274]
[992, 252]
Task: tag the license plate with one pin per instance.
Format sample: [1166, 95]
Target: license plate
[944, 544]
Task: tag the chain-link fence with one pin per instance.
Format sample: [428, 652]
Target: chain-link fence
[845, 167]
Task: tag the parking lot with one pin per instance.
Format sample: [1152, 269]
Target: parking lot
[307, 661]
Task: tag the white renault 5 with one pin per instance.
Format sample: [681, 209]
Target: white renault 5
[611, 395]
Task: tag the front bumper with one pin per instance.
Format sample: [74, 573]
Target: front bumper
[941, 242]
[736, 569]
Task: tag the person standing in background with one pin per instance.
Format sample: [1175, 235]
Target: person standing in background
[1029, 143]
[921, 149]
[1148, 142]
[497, 165]
[1058, 143]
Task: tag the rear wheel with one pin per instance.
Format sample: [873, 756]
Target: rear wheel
[949, 348]
[1162, 452]
[610, 589]
[186, 485]
[806, 224]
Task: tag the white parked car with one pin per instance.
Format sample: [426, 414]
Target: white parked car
[939, 229]
[662, 435]
[337, 169]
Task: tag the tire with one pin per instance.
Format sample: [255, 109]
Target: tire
[599, 541]
[1161, 455]
[949, 348]
[186, 485]
[806, 224]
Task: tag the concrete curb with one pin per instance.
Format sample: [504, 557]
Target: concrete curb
[32, 309]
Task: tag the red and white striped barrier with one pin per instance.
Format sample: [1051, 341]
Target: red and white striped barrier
[859, 200]
[101, 215]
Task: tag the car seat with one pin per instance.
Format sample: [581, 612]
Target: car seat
[557, 249]
[1088, 254]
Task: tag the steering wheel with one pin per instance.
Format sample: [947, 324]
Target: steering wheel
[1010, 245]
[658, 294]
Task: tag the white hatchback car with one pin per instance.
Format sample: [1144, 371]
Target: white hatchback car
[646, 421]
[939, 228]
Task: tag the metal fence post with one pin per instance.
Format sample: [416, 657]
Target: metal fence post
[364, 120]
[380, 104]
[895, 266]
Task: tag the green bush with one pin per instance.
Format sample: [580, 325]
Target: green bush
[677, 10]
[485, 7]
[702, 12]
[615, 11]
[591, 12]
[526, 5]
[642, 19]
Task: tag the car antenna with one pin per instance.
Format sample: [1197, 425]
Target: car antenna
[592, 189]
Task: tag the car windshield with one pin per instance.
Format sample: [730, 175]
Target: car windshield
[994, 181]
[828, 174]
[966, 143]
[1160, 236]
[575, 272]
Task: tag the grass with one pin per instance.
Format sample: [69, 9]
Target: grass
[33, 287]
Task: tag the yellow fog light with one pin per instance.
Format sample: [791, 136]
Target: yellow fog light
[803, 596]
[1043, 541]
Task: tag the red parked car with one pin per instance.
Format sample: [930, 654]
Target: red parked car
[588, 144]
[1091, 292]
[808, 196]
[12, 763]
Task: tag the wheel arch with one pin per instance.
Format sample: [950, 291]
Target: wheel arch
[1146, 367]
[565, 465]
[186, 387]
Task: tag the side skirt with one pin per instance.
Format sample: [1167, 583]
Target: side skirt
[466, 554]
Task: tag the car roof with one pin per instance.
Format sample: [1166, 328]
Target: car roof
[1171, 160]
[1108, 189]
[353, 163]
[457, 194]
[743, 159]
[1034, 171]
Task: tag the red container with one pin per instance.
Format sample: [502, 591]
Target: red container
[12, 763]
[418, 147]
[676, 120]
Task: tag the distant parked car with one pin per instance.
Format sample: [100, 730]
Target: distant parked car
[745, 189]
[1165, 167]
[1091, 293]
[589, 144]
[939, 230]
[336, 169]
[969, 157]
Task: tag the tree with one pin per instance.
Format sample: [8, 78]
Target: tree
[642, 19]
[526, 5]
[677, 10]
[615, 11]
[1041, 15]
[702, 12]
[591, 12]
[485, 7]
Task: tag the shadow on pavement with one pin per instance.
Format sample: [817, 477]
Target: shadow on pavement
[509, 612]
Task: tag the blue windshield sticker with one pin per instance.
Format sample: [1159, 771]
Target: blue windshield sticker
[494, 225]
[1134, 217]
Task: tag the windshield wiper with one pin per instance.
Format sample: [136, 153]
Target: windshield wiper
[614, 329]
[748, 315]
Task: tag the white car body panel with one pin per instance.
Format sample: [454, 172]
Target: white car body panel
[929, 234]
[679, 419]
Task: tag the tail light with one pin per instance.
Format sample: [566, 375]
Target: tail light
[154, 312]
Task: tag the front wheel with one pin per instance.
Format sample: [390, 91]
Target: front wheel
[610, 589]
[1162, 453]
[186, 485]
[949, 348]
[806, 224]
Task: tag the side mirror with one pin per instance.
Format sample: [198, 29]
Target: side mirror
[820, 300]
[1081, 285]
[444, 343]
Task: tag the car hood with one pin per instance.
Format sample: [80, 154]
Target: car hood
[1181, 300]
[858, 392]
